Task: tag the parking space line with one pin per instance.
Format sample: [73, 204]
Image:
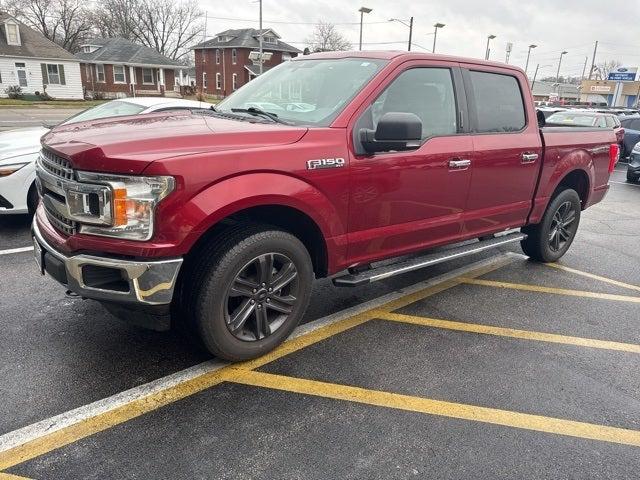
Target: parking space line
[45, 436]
[8, 476]
[551, 290]
[509, 332]
[625, 183]
[441, 408]
[15, 250]
[594, 277]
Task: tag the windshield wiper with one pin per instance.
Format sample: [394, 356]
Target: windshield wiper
[258, 111]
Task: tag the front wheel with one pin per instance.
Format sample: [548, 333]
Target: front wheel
[550, 239]
[250, 291]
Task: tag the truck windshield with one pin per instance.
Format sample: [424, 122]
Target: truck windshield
[304, 92]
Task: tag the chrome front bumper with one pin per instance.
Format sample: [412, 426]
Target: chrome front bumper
[141, 282]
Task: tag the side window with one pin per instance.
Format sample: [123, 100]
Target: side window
[610, 122]
[601, 122]
[635, 125]
[498, 101]
[426, 92]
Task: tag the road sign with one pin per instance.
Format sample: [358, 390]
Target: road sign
[623, 74]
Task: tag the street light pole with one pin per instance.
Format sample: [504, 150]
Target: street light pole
[362, 11]
[526, 66]
[435, 35]
[559, 63]
[534, 77]
[410, 33]
[486, 53]
[593, 59]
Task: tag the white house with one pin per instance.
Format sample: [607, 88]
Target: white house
[36, 64]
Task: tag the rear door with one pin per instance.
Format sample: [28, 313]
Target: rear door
[507, 150]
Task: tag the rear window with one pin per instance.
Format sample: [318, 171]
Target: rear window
[610, 122]
[573, 119]
[499, 103]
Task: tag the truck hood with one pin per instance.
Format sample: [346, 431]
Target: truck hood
[19, 142]
[130, 144]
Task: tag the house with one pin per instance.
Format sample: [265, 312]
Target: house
[36, 64]
[115, 67]
[223, 64]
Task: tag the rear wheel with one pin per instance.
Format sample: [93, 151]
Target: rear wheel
[632, 178]
[249, 291]
[550, 239]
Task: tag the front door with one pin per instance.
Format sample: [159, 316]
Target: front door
[21, 74]
[507, 152]
[410, 200]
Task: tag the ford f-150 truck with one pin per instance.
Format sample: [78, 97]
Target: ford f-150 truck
[322, 166]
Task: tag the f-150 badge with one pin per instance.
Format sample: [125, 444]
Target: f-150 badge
[325, 163]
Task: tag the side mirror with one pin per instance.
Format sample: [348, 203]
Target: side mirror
[396, 131]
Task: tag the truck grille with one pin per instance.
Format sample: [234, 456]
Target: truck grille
[60, 223]
[56, 165]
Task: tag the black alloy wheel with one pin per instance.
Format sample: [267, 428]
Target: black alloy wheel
[261, 297]
[563, 227]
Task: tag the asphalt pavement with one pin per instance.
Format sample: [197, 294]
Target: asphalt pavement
[22, 117]
[498, 369]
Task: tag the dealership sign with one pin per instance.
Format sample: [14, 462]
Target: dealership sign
[601, 88]
[623, 74]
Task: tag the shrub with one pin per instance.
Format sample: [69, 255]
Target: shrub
[14, 91]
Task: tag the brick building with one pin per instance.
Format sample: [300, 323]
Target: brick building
[223, 65]
[115, 67]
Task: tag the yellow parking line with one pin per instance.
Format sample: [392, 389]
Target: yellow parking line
[555, 291]
[594, 277]
[428, 406]
[142, 405]
[8, 476]
[510, 332]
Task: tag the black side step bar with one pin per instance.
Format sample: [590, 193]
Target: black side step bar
[386, 271]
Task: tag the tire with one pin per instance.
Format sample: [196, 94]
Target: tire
[632, 178]
[234, 315]
[33, 198]
[547, 243]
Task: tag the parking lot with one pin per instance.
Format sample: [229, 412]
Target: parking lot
[493, 367]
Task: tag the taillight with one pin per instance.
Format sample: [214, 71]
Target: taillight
[614, 154]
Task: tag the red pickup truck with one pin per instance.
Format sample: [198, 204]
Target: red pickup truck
[323, 166]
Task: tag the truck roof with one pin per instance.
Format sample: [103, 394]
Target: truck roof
[399, 55]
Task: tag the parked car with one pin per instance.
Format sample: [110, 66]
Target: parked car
[633, 169]
[221, 220]
[19, 148]
[631, 134]
[587, 118]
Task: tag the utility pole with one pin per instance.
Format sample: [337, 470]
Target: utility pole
[260, 36]
[593, 59]
[486, 53]
[584, 69]
[410, 33]
[526, 66]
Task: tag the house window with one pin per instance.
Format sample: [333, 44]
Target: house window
[13, 34]
[22, 74]
[235, 81]
[204, 81]
[218, 81]
[147, 76]
[234, 56]
[118, 74]
[100, 72]
[86, 49]
[217, 57]
[270, 39]
[53, 74]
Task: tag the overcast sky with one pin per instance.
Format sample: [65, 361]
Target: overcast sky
[554, 25]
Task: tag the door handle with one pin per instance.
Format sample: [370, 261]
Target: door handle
[459, 164]
[528, 157]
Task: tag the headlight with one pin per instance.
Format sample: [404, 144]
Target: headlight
[6, 170]
[132, 206]
[636, 148]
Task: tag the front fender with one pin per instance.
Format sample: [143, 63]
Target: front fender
[241, 192]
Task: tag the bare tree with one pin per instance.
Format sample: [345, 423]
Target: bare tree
[168, 26]
[325, 38]
[605, 68]
[116, 18]
[66, 22]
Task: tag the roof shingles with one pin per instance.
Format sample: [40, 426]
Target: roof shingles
[247, 38]
[32, 43]
[119, 50]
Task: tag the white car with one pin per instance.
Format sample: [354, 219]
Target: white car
[19, 148]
